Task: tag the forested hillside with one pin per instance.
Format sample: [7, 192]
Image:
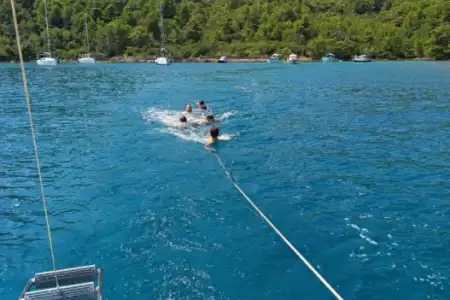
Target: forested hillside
[383, 28]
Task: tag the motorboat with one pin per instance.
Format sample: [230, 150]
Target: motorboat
[292, 59]
[362, 58]
[222, 60]
[275, 58]
[330, 57]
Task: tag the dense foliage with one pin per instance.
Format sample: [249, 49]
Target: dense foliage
[383, 28]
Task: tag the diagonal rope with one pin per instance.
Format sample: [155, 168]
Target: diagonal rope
[36, 153]
[288, 243]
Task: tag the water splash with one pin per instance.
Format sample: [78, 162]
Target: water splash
[193, 130]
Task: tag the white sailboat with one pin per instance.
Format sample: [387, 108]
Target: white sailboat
[45, 58]
[86, 59]
[162, 60]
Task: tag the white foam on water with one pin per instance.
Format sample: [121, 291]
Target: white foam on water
[190, 131]
[225, 137]
[226, 115]
[188, 134]
[363, 233]
[170, 117]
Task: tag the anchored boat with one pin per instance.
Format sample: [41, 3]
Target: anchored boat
[292, 59]
[362, 58]
[162, 60]
[223, 60]
[275, 58]
[86, 59]
[330, 57]
[45, 58]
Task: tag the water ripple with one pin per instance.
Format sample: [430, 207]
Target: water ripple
[354, 169]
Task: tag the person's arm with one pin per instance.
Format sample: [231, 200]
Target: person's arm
[210, 142]
[202, 122]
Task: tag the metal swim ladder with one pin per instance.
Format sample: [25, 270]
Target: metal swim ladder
[73, 284]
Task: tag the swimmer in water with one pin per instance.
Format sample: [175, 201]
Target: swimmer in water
[183, 119]
[188, 108]
[213, 136]
[202, 105]
[208, 119]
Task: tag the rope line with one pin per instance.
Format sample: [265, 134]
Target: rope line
[36, 153]
[288, 243]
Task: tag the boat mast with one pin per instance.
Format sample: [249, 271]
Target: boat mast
[46, 24]
[161, 24]
[87, 34]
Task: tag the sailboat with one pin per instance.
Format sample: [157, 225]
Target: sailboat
[86, 59]
[45, 58]
[162, 60]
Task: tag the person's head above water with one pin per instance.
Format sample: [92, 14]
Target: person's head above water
[183, 119]
[202, 105]
[214, 131]
[209, 118]
[189, 108]
[214, 136]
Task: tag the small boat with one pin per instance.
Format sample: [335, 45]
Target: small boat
[222, 60]
[86, 59]
[275, 58]
[362, 58]
[292, 59]
[46, 59]
[330, 57]
[162, 60]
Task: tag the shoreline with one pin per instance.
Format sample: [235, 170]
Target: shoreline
[234, 60]
[302, 59]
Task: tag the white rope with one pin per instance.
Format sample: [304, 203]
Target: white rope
[36, 153]
[305, 261]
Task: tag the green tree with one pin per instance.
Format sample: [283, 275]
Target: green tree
[383, 28]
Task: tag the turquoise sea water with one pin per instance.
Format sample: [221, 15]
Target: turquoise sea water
[350, 161]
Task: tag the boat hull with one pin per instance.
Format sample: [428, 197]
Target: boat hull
[292, 62]
[162, 61]
[86, 60]
[329, 60]
[47, 61]
[361, 61]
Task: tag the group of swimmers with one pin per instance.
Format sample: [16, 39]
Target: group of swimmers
[213, 132]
